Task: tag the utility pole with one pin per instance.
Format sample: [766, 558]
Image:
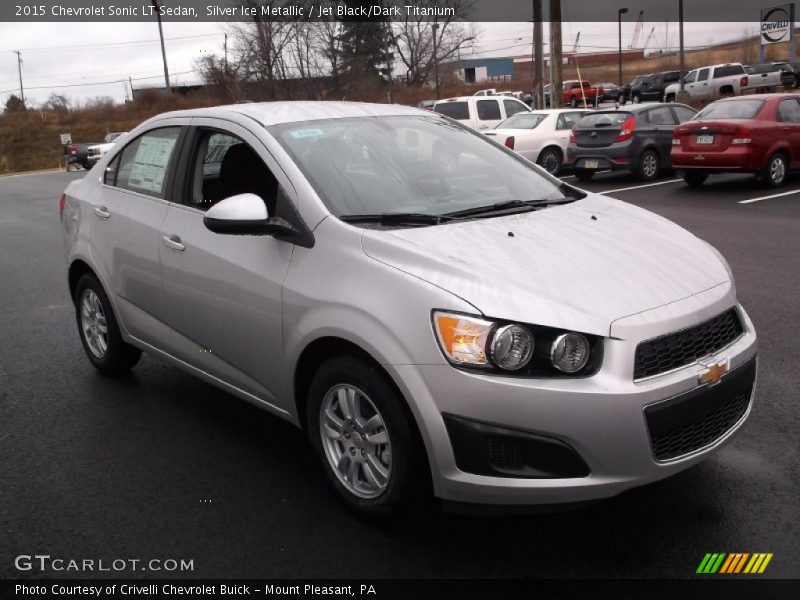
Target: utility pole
[226, 54]
[556, 58]
[19, 68]
[620, 12]
[133, 96]
[537, 57]
[681, 97]
[155, 4]
[435, 26]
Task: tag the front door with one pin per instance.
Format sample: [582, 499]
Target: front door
[223, 293]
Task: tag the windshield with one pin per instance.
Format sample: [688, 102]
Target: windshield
[408, 164]
[604, 119]
[522, 121]
[739, 109]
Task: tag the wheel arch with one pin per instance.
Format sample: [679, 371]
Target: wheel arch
[77, 269]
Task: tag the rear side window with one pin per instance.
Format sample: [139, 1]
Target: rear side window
[568, 120]
[454, 110]
[145, 162]
[683, 113]
[513, 107]
[727, 71]
[789, 111]
[661, 116]
[731, 109]
[488, 110]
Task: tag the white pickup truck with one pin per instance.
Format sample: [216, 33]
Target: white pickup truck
[96, 151]
[710, 82]
[764, 78]
[480, 112]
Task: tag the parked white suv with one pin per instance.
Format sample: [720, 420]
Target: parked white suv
[711, 82]
[480, 112]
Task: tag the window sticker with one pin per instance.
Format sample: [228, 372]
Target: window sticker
[150, 163]
[305, 133]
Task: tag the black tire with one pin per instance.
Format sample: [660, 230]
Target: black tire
[670, 98]
[573, 102]
[550, 160]
[648, 166]
[635, 99]
[119, 357]
[583, 174]
[408, 481]
[695, 178]
[773, 174]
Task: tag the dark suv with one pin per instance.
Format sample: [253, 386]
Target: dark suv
[637, 139]
[648, 87]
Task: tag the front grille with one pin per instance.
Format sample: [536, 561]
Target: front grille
[702, 432]
[683, 347]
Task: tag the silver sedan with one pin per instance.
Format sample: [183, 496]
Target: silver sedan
[438, 314]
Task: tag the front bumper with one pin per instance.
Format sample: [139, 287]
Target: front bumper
[602, 418]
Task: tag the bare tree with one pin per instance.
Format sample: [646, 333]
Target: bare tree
[57, 103]
[416, 36]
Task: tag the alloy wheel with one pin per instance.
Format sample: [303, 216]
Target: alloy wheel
[551, 161]
[777, 170]
[356, 441]
[649, 165]
[93, 323]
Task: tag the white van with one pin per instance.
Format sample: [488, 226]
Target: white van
[481, 112]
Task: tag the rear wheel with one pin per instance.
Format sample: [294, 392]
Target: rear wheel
[99, 331]
[670, 98]
[776, 170]
[584, 174]
[365, 441]
[550, 160]
[648, 167]
[636, 98]
[695, 178]
[573, 102]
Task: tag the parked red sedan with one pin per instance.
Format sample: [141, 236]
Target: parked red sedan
[745, 134]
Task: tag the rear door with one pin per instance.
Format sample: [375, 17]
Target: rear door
[789, 122]
[661, 122]
[126, 218]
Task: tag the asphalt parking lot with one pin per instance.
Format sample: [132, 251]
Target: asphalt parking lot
[161, 465]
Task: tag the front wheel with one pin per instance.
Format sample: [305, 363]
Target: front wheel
[550, 160]
[99, 331]
[695, 178]
[776, 170]
[584, 174]
[636, 98]
[670, 98]
[648, 167]
[573, 102]
[365, 441]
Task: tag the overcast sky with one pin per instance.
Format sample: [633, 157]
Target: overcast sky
[58, 54]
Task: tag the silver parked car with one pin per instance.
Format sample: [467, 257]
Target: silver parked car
[435, 311]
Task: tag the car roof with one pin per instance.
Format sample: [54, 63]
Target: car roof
[274, 113]
[637, 108]
[773, 96]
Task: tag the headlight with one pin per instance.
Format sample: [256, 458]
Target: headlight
[462, 338]
[569, 352]
[511, 347]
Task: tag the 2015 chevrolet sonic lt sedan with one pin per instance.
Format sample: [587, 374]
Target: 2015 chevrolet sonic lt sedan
[435, 311]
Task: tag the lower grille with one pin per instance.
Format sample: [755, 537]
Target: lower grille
[697, 419]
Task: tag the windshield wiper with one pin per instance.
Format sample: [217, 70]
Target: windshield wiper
[500, 207]
[397, 218]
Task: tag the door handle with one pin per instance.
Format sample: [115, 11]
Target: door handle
[101, 212]
[173, 242]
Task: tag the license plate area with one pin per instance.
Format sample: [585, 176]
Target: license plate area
[591, 164]
[704, 139]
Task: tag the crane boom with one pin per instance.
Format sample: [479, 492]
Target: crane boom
[638, 31]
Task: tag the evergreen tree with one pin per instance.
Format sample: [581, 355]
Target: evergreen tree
[366, 46]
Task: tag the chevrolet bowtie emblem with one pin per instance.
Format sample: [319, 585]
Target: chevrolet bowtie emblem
[715, 370]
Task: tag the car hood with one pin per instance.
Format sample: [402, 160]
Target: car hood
[577, 266]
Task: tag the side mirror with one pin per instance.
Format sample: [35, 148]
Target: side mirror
[245, 214]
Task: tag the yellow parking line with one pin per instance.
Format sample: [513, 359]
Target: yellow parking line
[759, 199]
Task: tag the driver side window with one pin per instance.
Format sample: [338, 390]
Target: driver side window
[225, 166]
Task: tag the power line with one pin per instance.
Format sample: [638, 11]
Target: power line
[128, 43]
[71, 85]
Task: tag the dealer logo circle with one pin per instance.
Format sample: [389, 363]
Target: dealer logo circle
[775, 25]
